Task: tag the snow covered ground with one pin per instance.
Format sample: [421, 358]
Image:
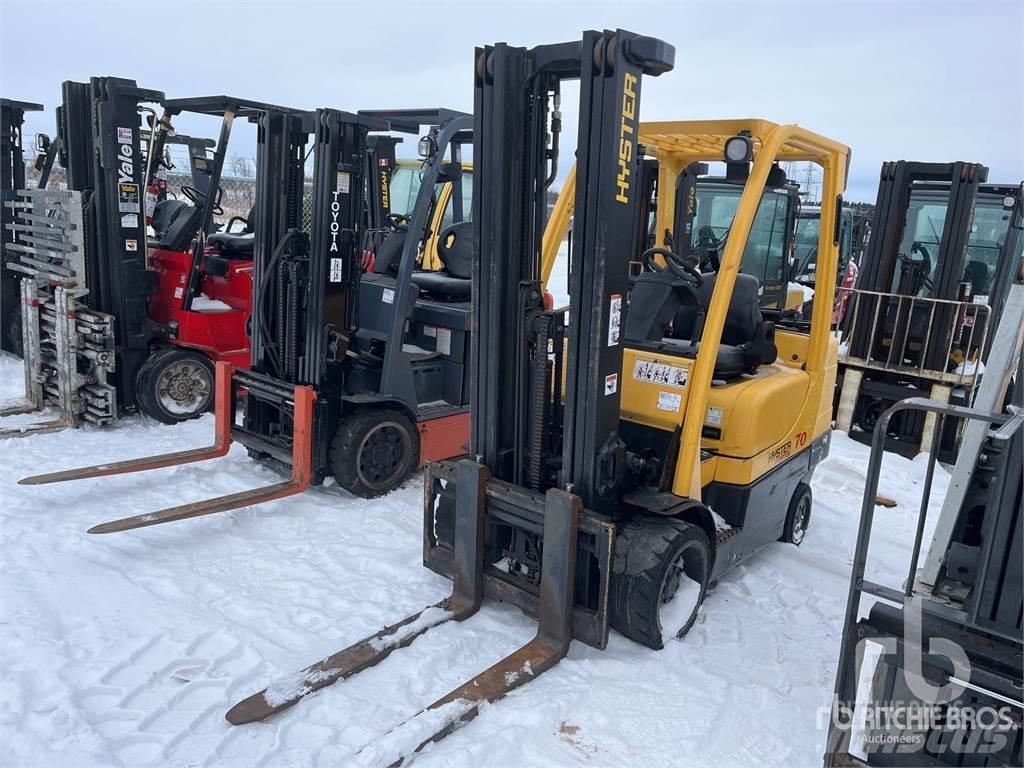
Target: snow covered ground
[126, 650]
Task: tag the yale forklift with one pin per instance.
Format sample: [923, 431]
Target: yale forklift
[12, 178]
[632, 454]
[934, 279]
[154, 298]
[359, 376]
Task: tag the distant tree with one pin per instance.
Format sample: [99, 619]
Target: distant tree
[242, 167]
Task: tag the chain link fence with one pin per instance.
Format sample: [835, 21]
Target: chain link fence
[238, 183]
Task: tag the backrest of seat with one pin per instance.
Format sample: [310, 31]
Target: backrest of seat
[163, 213]
[182, 226]
[741, 321]
[458, 259]
[978, 273]
[657, 299]
[389, 255]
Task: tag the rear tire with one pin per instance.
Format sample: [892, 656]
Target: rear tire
[374, 451]
[654, 558]
[798, 517]
[175, 385]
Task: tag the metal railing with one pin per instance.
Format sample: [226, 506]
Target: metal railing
[897, 351]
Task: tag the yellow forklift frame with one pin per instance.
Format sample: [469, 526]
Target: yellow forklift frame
[754, 445]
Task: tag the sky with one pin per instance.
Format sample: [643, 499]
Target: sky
[936, 81]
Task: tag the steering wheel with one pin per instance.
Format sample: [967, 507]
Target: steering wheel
[398, 221]
[197, 198]
[674, 263]
[922, 266]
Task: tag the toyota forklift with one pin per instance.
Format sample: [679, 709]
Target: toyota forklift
[600, 445]
[944, 247]
[359, 376]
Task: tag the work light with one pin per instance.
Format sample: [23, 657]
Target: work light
[739, 149]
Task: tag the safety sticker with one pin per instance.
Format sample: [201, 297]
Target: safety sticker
[344, 182]
[614, 319]
[131, 245]
[387, 296]
[611, 384]
[124, 135]
[128, 198]
[129, 220]
[444, 341]
[336, 271]
[714, 416]
[670, 401]
[660, 373]
[179, 292]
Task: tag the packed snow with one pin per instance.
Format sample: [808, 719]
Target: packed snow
[126, 650]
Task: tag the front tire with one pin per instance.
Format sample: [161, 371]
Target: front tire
[374, 451]
[660, 575]
[175, 385]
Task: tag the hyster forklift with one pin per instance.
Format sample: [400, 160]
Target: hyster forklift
[943, 247]
[12, 178]
[601, 441]
[359, 376]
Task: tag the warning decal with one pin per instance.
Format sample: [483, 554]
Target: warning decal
[614, 319]
[660, 373]
[336, 271]
[611, 384]
[128, 200]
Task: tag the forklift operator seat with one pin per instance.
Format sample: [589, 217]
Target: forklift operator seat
[748, 340]
[175, 223]
[236, 245]
[455, 249]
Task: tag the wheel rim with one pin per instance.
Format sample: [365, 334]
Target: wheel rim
[681, 591]
[382, 455]
[184, 388]
[801, 518]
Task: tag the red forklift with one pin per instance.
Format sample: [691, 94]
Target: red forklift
[166, 295]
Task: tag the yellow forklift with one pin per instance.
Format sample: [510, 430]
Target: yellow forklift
[623, 457]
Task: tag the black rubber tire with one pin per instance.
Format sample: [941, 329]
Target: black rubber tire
[798, 516]
[157, 367]
[394, 439]
[645, 550]
[12, 331]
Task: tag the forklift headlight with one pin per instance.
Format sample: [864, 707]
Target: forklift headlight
[739, 149]
[426, 146]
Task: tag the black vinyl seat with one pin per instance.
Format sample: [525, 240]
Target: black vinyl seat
[175, 223]
[748, 340]
[236, 245]
[233, 246]
[454, 282]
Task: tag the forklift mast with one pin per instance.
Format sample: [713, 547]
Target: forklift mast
[511, 170]
[12, 178]
[883, 255]
[99, 128]
[380, 164]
